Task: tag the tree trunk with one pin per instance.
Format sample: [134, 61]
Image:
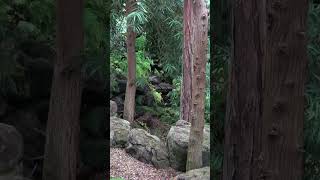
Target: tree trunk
[62, 138]
[185, 100]
[284, 83]
[129, 102]
[199, 49]
[243, 115]
[264, 123]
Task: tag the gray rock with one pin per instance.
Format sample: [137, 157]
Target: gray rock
[154, 80]
[119, 100]
[195, 174]
[119, 131]
[11, 151]
[28, 124]
[113, 108]
[182, 123]
[163, 87]
[147, 148]
[177, 143]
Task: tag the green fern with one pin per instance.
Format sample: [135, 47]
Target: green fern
[137, 18]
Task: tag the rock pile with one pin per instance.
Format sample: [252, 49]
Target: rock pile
[150, 149]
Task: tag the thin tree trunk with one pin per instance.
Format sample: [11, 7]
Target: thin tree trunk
[129, 102]
[185, 100]
[243, 115]
[199, 49]
[62, 140]
[284, 83]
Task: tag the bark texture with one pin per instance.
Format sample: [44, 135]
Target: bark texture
[199, 49]
[129, 102]
[185, 101]
[243, 117]
[264, 118]
[62, 138]
[284, 73]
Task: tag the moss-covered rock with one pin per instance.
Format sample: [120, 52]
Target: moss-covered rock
[147, 148]
[119, 131]
[177, 142]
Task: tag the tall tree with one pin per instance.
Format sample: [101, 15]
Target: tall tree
[62, 140]
[129, 102]
[185, 99]
[243, 113]
[284, 74]
[199, 49]
[264, 123]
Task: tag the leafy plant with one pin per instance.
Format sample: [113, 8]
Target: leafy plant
[174, 95]
[138, 17]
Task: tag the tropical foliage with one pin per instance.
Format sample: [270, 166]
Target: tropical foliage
[159, 26]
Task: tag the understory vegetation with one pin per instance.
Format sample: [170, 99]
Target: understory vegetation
[158, 58]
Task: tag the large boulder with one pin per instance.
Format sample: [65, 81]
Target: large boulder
[26, 121]
[195, 174]
[11, 152]
[147, 148]
[113, 108]
[119, 100]
[119, 131]
[177, 142]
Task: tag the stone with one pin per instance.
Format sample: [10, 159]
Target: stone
[195, 174]
[26, 121]
[113, 108]
[147, 148]
[119, 131]
[154, 80]
[163, 87]
[119, 100]
[11, 152]
[178, 141]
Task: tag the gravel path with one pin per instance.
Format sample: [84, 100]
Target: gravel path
[124, 166]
